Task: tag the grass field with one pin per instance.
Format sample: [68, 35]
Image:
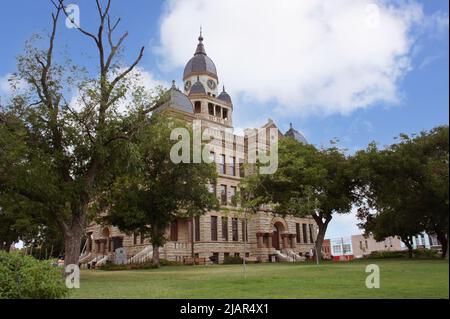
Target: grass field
[399, 279]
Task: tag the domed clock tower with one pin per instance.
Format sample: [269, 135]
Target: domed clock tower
[201, 85]
[201, 68]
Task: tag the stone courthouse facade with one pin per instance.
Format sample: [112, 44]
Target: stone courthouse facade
[217, 234]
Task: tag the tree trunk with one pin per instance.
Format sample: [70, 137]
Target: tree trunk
[408, 244]
[72, 242]
[155, 257]
[323, 225]
[443, 239]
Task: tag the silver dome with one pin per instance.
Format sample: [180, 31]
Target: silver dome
[293, 133]
[225, 97]
[200, 63]
[178, 101]
[197, 88]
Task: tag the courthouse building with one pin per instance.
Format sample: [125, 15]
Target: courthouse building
[224, 232]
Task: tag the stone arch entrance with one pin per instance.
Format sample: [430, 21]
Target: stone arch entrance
[277, 230]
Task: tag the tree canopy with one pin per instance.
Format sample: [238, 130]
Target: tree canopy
[155, 190]
[404, 187]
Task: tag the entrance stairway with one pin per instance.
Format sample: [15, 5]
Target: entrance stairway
[295, 256]
[102, 260]
[85, 258]
[289, 256]
[142, 256]
[283, 257]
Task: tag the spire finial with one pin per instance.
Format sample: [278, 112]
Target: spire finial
[173, 84]
[200, 38]
[198, 78]
[290, 124]
[223, 88]
[200, 46]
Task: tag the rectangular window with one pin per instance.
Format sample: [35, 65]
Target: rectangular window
[234, 229]
[198, 107]
[222, 169]
[360, 245]
[347, 249]
[215, 258]
[305, 235]
[367, 244]
[197, 228]
[233, 195]
[211, 109]
[174, 231]
[337, 249]
[223, 195]
[244, 230]
[297, 232]
[225, 228]
[213, 228]
[135, 239]
[232, 166]
[218, 111]
[142, 238]
[225, 114]
[311, 232]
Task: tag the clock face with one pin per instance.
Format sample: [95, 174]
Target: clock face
[211, 84]
[187, 85]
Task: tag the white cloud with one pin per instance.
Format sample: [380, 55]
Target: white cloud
[343, 225]
[305, 56]
[4, 84]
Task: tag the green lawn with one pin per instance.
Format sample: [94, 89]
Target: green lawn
[399, 279]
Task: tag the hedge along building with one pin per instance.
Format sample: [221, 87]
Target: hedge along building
[217, 234]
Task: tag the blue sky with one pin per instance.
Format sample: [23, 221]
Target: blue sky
[273, 66]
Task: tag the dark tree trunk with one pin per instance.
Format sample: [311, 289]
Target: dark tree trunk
[155, 257]
[8, 246]
[443, 239]
[323, 225]
[408, 244]
[73, 235]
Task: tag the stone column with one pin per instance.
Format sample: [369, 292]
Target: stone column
[293, 241]
[285, 241]
[260, 240]
[270, 240]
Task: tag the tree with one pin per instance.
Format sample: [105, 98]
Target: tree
[61, 155]
[406, 184]
[157, 190]
[308, 182]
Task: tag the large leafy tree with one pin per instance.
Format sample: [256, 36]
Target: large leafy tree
[60, 154]
[156, 190]
[406, 184]
[309, 182]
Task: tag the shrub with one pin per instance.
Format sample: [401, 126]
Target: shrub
[417, 253]
[232, 260]
[145, 265]
[23, 277]
[387, 254]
